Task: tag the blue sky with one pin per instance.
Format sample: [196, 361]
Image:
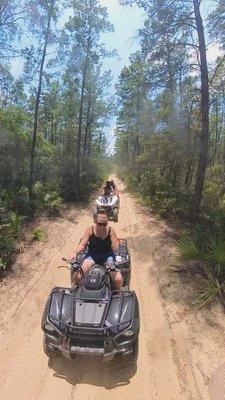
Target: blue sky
[126, 21]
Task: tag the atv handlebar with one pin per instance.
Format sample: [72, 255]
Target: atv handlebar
[74, 264]
[110, 268]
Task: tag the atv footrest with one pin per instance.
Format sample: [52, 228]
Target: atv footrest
[87, 350]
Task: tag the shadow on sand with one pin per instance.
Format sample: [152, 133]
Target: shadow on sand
[93, 371]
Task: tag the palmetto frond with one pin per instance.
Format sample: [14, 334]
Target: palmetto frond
[212, 255]
[188, 250]
[14, 223]
[212, 289]
[214, 250]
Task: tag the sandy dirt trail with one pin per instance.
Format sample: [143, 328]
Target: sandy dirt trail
[179, 350]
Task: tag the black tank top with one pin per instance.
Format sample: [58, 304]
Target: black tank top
[99, 245]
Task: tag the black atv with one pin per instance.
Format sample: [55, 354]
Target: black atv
[92, 318]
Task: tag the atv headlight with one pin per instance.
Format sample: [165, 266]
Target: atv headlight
[128, 333]
[49, 328]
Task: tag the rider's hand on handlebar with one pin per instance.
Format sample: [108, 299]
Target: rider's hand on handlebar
[72, 257]
[70, 260]
[73, 264]
[110, 266]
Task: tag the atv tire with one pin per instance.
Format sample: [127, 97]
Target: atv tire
[43, 320]
[48, 350]
[131, 359]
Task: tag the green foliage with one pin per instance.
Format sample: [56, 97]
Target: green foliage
[5, 198]
[51, 203]
[52, 118]
[46, 199]
[216, 23]
[92, 176]
[38, 234]
[188, 250]
[6, 250]
[217, 217]
[159, 116]
[14, 224]
[211, 254]
[3, 264]
[21, 201]
[75, 108]
[212, 290]
[213, 188]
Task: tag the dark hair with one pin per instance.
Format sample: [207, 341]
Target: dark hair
[101, 212]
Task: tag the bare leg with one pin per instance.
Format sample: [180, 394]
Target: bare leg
[86, 265]
[117, 279]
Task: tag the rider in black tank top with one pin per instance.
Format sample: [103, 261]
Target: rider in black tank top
[99, 245]
[102, 244]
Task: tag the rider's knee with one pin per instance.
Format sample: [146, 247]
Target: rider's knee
[118, 279]
[76, 277]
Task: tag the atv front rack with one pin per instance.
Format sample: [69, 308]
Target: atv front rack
[66, 328]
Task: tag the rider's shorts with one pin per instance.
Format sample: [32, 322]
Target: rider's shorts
[100, 258]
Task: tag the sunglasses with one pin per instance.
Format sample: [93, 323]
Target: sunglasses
[102, 223]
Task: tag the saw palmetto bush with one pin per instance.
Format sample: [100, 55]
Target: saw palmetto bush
[14, 224]
[211, 255]
[38, 234]
[46, 199]
[6, 251]
[51, 203]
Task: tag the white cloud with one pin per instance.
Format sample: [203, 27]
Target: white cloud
[17, 67]
[111, 139]
[213, 52]
[112, 4]
[68, 12]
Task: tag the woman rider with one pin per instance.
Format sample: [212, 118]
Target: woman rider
[107, 190]
[102, 242]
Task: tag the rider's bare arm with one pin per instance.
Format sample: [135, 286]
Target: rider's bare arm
[83, 243]
[101, 192]
[114, 240]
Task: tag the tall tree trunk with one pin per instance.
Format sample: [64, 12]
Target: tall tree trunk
[81, 109]
[89, 134]
[37, 102]
[52, 128]
[87, 127]
[127, 150]
[189, 173]
[204, 138]
[216, 134]
[89, 143]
